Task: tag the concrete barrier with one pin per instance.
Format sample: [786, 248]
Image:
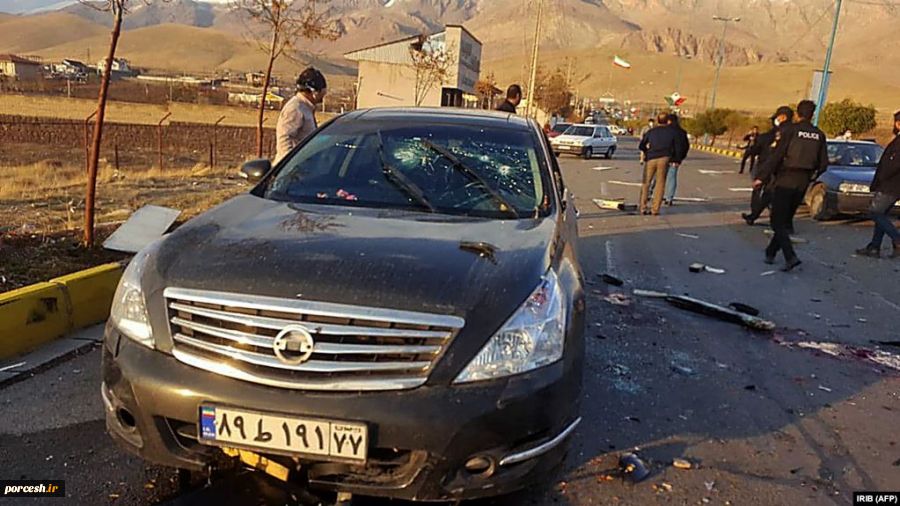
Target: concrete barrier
[719, 151]
[37, 314]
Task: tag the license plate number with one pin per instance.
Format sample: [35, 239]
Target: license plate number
[285, 434]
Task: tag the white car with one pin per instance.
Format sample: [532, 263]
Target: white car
[617, 130]
[586, 141]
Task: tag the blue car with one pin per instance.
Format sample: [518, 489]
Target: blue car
[844, 187]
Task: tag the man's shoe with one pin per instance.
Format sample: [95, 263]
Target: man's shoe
[770, 259]
[748, 218]
[869, 251]
[791, 264]
[896, 252]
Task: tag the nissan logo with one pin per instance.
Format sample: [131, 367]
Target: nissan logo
[293, 345]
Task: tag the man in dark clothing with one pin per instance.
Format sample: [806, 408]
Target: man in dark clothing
[658, 147]
[800, 154]
[886, 186]
[750, 150]
[765, 143]
[682, 146]
[513, 99]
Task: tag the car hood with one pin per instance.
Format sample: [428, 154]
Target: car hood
[863, 175]
[571, 138]
[369, 257]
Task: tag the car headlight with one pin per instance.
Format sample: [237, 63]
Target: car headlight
[533, 337]
[854, 188]
[129, 310]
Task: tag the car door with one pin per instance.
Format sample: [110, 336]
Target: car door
[597, 139]
[609, 137]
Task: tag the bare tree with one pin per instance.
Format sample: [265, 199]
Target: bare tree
[283, 23]
[486, 89]
[431, 63]
[117, 9]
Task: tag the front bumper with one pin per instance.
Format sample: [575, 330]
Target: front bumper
[853, 203]
[572, 150]
[420, 439]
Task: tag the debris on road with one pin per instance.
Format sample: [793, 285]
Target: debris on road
[688, 236]
[611, 280]
[744, 308]
[682, 463]
[664, 486]
[618, 299]
[720, 312]
[696, 267]
[768, 273]
[145, 225]
[710, 485]
[687, 371]
[714, 270]
[649, 293]
[615, 205]
[633, 467]
[824, 388]
[839, 350]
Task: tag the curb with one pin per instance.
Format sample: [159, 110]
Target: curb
[719, 151]
[37, 314]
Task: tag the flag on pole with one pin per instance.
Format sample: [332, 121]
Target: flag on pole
[620, 62]
[675, 99]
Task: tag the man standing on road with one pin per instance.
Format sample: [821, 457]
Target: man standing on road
[886, 186]
[513, 99]
[799, 155]
[765, 143]
[682, 146]
[298, 116]
[658, 147]
[749, 148]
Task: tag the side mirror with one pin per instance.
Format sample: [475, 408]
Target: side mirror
[254, 170]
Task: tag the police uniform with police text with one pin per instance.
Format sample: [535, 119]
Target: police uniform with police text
[800, 156]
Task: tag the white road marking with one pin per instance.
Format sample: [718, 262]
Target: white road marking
[610, 263]
[601, 169]
[626, 183]
[689, 236]
[691, 199]
[715, 172]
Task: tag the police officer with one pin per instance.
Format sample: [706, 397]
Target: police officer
[298, 116]
[800, 155]
[765, 144]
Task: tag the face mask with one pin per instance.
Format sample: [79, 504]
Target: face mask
[777, 122]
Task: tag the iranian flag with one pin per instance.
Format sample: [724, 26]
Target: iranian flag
[620, 62]
[675, 99]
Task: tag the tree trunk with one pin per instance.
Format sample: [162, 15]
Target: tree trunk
[98, 130]
[262, 106]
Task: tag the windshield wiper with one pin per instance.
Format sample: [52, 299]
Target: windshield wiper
[471, 174]
[400, 180]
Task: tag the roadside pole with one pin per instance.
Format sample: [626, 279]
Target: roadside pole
[823, 88]
[534, 59]
[721, 55]
[159, 142]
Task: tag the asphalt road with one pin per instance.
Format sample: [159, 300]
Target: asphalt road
[762, 420]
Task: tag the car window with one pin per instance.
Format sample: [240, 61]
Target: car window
[581, 131]
[561, 127]
[374, 164]
[606, 133]
[854, 154]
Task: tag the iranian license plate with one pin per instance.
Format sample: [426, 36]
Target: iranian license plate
[284, 434]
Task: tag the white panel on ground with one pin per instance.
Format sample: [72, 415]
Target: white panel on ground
[143, 227]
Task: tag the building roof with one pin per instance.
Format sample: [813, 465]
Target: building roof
[368, 53]
[17, 59]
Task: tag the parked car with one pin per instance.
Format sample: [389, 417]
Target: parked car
[617, 130]
[586, 141]
[558, 129]
[844, 187]
[395, 309]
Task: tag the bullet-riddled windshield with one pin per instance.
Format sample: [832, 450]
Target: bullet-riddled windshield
[439, 168]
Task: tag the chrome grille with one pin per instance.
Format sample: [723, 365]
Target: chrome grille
[356, 348]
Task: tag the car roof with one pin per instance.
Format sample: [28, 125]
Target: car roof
[589, 125]
[478, 117]
[852, 141]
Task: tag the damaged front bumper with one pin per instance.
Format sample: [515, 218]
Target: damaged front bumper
[431, 443]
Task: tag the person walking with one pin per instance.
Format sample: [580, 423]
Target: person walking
[886, 187]
[749, 148]
[761, 197]
[682, 146]
[513, 99]
[800, 154]
[297, 118]
[658, 147]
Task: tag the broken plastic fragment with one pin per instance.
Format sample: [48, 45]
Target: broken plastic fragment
[611, 280]
[633, 467]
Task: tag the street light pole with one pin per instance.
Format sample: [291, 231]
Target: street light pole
[823, 86]
[534, 59]
[721, 55]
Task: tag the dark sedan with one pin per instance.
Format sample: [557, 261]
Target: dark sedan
[396, 309]
[844, 187]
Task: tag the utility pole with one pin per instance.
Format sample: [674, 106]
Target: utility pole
[534, 58]
[823, 86]
[721, 55]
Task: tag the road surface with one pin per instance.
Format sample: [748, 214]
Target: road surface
[760, 419]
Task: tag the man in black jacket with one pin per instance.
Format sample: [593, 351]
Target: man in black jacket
[749, 148]
[801, 153]
[513, 99]
[765, 143]
[886, 186]
[682, 146]
[658, 147]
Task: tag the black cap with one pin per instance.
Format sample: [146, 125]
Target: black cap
[787, 111]
[311, 80]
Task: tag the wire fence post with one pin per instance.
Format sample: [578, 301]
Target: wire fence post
[159, 144]
[116, 154]
[215, 143]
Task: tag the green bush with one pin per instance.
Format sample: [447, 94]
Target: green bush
[838, 117]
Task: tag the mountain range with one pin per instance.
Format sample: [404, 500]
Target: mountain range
[195, 36]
